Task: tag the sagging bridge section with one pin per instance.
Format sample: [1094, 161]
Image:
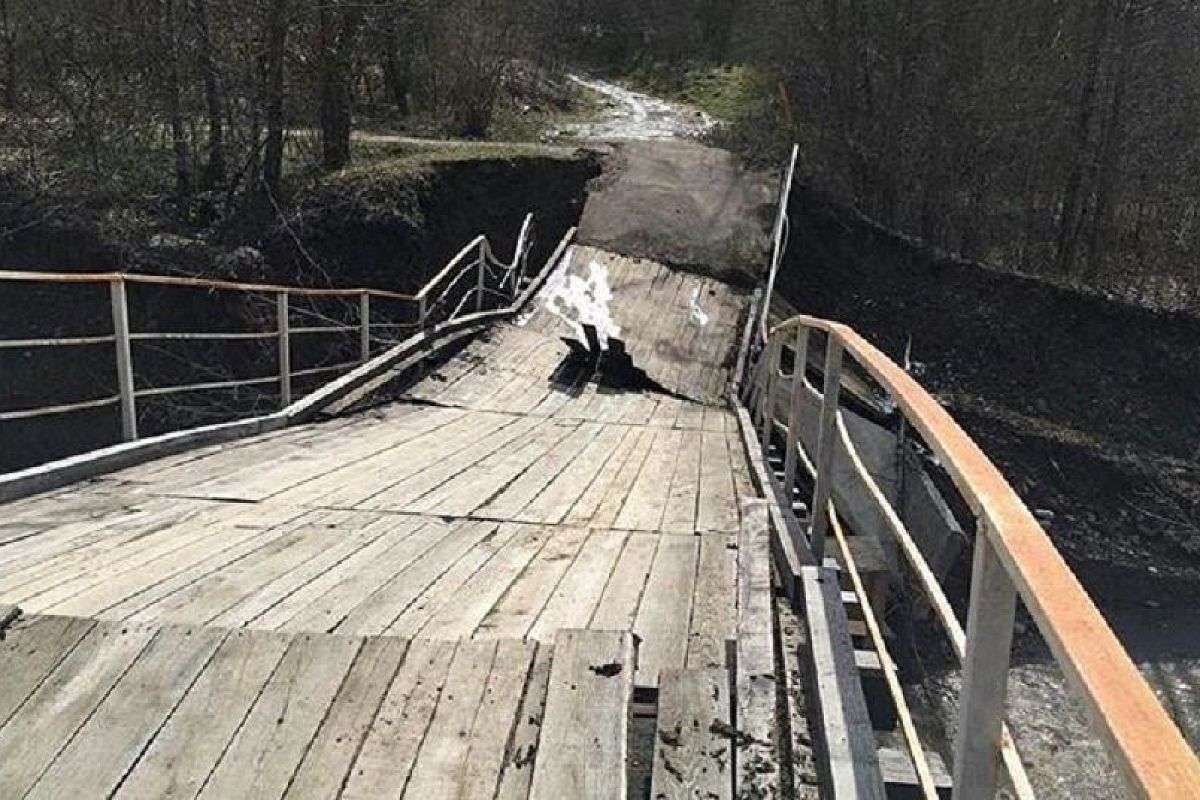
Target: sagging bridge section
[592, 531]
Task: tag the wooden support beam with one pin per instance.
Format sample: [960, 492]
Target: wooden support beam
[985, 674]
[842, 724]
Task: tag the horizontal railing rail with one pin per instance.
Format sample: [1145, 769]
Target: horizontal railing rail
[493, 283]
[1013, 558]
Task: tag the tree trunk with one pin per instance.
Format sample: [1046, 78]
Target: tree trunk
[276, 39]
[179, 137]
[1068, 223]
[396, 67]
[1111, 147]
[9, 99]
[337, 30]
[216, 169]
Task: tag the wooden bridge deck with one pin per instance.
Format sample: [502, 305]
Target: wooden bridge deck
[229, 620]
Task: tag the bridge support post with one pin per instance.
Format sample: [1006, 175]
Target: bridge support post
[120, 314]
[283, 314]
[985, 674]
[364, 322]
[771, 382]
[826, 446]
[795, 409]
[482, 284]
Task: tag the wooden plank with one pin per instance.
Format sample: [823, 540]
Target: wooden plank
[618, 608]
[168, 585]
[515, 612]
[30, 650]
[662, 620]
[329, 759]
[458, 620]
[585, 729]
[390, 749]
[840, 718]
[578, 593]
[380, 481]
[448, 588]
[476, 486]
[614, 498]
[517, 771]
[109, 590]
[679, 516]
[64, 702]
[372, 570]
[714, 610]
[758, 772]
[556, 501]
[216, 592]
[462, 753]
[268, 748]
[693, 758]
[589, 502]
[268, 595]
[518, 494]
[376, 613]
[114, 736]
[647, 498]
[184, 752]
[717, 507]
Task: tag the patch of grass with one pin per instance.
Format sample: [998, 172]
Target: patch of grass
[585, 106]
[728, 93]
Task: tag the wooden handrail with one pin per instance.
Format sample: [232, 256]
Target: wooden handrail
[1145, 743]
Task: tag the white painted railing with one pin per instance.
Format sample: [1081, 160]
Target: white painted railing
[492, 283]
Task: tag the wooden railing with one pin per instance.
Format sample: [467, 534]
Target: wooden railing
[1013, 558]
[475, 279]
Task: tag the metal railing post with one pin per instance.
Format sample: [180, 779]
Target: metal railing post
[826, 446]
[771, 381]
[364, 322]
[120, 314]
[794, 411]
[285, 348]
[482, 284]
[985, 674]
[422, 312]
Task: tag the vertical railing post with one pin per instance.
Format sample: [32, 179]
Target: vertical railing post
[482, 283]
[364, 323]
[283, 314]
[120, 314]
[794, 411]
[771, 381]
[422, 313]
[826, 447]
[990, 620]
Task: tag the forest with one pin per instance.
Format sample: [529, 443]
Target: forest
[1055, 139]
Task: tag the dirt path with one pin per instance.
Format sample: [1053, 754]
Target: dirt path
[630, 115]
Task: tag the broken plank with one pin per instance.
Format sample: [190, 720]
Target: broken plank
[758, 771]
[693, 753]
[662, 620]
[585, 729]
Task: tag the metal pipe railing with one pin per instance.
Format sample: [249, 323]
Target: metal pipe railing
[428, 309]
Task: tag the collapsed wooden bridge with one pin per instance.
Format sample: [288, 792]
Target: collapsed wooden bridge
[537, 549]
